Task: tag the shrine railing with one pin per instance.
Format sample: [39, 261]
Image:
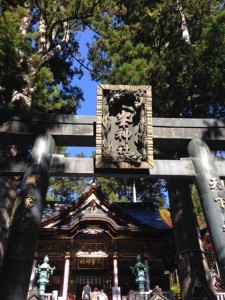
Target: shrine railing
[220, 296]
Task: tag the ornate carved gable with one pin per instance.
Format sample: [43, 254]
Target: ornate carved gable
[93, 223]
[92, 211]
[158, 297]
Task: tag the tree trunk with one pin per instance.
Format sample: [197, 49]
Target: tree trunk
[193, 271]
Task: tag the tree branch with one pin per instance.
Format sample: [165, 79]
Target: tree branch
[58, 48]
[184, 28]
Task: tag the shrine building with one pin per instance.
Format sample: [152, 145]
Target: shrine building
[95, 240]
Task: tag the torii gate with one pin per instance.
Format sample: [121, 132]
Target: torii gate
[188, 136]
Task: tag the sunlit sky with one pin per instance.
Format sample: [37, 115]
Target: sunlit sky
[89, 87]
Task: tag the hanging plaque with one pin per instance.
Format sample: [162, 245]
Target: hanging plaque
[124, 127]
[90, 263]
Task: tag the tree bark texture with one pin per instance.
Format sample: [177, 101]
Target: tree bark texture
[193, 271]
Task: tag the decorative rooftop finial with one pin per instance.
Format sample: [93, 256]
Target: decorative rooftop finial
[94, 183]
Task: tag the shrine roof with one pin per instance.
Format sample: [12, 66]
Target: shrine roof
[53, 208]
[122, 213]
[147, 215]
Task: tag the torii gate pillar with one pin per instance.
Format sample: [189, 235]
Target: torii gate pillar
[212, 195]
[23, 236]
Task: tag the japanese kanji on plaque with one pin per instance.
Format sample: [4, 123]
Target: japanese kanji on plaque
[124, 127]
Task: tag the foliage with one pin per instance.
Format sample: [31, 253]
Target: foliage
[40, 56]
[197, 206]
[66, 189]
[145, 42]
[119, 189]
[110, 187]
[175, 288]
[165, 214]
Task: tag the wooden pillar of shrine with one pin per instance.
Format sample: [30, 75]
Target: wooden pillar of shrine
[116, 292]
[146, 259]
[66, 276]
[191, 263]
[24, 231]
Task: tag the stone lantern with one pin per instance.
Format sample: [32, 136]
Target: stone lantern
[139, 271]
[44, 271]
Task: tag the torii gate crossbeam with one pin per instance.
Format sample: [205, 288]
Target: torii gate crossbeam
[168, 133]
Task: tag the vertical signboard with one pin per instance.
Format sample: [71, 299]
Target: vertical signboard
[124, 127]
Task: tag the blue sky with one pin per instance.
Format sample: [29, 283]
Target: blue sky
[89, 87]
[88, 107]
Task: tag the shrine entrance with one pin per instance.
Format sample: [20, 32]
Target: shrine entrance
[119, 152]
[95, 279]
[93, 267]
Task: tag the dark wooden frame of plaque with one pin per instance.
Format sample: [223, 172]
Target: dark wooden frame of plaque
[123, 103]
